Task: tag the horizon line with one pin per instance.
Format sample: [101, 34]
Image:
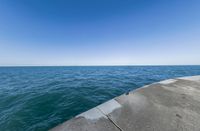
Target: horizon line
[97, 65]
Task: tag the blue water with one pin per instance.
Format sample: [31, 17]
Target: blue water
[38, 98]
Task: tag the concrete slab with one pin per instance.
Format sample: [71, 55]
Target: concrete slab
[109, 106]
[92, 114]
[191, 78]
[170, 105]
[169, 81]
[92, 120]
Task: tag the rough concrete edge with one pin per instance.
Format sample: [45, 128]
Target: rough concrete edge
[92, 114]
[103, 111]
[190, 78]
[165, 82]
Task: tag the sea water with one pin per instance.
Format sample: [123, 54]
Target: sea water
[39, 98]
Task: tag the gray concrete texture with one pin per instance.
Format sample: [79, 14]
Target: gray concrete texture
[170, 105]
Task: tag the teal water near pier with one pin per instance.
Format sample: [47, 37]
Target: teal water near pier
[39, 98]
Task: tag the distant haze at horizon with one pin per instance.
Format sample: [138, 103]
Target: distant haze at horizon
[105, 32]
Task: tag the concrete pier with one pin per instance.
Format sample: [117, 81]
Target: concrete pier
[170, 105]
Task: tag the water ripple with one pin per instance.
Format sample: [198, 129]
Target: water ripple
[38, 98]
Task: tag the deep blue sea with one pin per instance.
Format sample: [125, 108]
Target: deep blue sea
[39, 98]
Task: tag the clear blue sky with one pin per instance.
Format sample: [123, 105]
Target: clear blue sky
[99, 32]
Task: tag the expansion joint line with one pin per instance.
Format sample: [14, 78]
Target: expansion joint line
[115, 124]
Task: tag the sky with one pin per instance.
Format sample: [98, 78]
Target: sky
[99, 32]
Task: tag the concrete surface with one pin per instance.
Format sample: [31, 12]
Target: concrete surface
[170, 105]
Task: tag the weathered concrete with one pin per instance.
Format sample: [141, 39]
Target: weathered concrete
[170, 105]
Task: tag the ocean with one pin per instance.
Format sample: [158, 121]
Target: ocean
[39, 98]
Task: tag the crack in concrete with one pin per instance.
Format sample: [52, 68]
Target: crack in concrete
[115, 124]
